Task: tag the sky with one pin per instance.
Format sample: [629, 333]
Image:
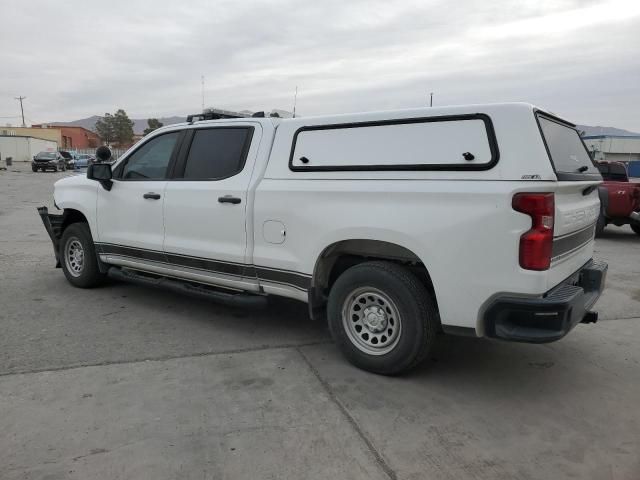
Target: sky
[72, 59]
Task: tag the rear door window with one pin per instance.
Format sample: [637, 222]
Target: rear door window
[217, 153]
[568, 154]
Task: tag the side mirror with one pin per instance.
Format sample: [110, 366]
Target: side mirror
[101, 172]
[103, 154]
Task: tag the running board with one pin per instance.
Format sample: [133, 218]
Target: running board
[231, 299]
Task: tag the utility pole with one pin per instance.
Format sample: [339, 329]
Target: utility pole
[295, 100]
[431, 99]
[20, 99]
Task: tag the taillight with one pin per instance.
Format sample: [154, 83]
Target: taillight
[536, 244]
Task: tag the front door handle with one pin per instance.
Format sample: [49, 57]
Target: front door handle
[152, 195]
[229, 199]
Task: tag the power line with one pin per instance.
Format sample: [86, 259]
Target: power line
[20, 99]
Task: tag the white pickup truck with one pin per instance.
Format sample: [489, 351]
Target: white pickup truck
[396, 226]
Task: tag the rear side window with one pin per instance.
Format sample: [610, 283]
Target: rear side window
[568, 153]
[435, 143]
[217, 153]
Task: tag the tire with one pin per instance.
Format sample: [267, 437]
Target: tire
[600, 225]
[80, 269]
[404, 320]
[34, 169]
[635, 226]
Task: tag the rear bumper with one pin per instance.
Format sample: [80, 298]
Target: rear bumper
[53, 226]
[550, 317]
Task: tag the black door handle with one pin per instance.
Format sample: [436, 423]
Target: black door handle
[152, 196]
[229, 199]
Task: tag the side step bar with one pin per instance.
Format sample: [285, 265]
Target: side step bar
[243, 300]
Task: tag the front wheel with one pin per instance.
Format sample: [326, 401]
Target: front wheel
[78, 257]
[34, 168]
[381, 317]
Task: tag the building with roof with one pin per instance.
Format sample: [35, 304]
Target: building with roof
[69, 137]
[41, 133]
[73, 137]
[613, 148]
[22, 148]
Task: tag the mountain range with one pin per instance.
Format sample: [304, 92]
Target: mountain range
[141, 123]
[138, 127]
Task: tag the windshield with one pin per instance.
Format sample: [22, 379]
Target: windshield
[46, 155]
[568, 153]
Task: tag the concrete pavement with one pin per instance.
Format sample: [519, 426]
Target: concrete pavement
[127, 382]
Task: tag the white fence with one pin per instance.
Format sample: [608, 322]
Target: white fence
[115, 152]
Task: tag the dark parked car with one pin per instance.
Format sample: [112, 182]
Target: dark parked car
[48, 161]
[69, 159]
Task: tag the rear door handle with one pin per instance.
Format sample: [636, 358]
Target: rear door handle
[229, 199]
[151, 195]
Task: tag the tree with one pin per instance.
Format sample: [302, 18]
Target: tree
[104, 128]
[122, 128]
[116, 128]
[153, 124]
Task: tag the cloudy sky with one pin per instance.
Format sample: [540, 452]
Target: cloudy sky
[77, 58]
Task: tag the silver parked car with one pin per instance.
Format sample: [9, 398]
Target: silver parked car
[83, 160]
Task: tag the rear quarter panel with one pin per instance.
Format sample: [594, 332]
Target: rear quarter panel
[450, 226]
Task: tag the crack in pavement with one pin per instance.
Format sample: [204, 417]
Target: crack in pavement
[167, 357]
[386, 468]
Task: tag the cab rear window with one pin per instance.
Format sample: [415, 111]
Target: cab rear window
[566, 150]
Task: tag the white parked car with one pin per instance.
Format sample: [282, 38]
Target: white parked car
[475, 220]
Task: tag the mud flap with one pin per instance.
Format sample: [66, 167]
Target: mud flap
[53, 226]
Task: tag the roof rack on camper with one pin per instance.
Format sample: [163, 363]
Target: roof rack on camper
[217, 114]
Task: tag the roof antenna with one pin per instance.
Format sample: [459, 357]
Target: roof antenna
[202, 79]
[295, 100]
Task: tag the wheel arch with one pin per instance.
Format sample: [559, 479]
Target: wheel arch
[343, 254]
[72, 216]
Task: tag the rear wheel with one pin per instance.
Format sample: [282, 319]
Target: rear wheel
[381, 317]
[635, 226]
[78, 257]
